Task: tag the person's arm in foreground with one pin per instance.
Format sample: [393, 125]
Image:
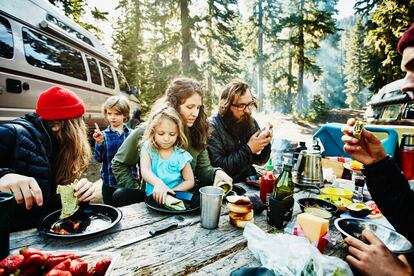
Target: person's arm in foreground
[374, 258]
[126, 157]
[386, 183]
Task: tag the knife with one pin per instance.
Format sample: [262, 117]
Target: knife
[151, 233]
[172, 223]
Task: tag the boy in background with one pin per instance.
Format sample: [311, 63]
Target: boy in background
[107, 142]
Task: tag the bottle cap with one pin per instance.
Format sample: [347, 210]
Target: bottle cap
[269, 166]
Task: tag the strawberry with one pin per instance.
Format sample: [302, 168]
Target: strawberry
[78, 267]
[56, 272]
[11, 263]
[33, 264]
[65, 265]
[28, 251]
[53, 260]
[101, 266]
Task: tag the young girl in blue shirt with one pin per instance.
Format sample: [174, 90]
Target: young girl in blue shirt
[107, 142]
[165, 165]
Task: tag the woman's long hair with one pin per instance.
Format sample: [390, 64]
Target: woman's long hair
[178, 91]
[74, 151]
[158, 114]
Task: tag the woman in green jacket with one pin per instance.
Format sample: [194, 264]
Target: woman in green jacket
[186, 96]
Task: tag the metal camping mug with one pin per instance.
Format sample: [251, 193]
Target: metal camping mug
[211, 200]
[6, 215]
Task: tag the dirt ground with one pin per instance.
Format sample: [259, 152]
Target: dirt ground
[284, 127]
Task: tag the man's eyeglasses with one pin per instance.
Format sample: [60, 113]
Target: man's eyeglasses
[242, 107]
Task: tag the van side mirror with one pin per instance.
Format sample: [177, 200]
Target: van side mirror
[134, 91]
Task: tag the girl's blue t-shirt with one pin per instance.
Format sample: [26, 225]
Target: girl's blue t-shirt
[169, 171]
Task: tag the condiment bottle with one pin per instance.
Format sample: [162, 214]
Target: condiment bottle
[267, 182]
[359, 189]
[284, 186]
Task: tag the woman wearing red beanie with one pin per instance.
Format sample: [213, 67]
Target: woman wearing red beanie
[388, 187]
[42, 150]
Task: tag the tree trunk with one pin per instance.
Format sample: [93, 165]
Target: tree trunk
[288, 106]
[260, 56]
[209, 92]
[301, 97]
[185, 36]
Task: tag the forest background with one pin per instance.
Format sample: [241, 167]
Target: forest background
[298, 57]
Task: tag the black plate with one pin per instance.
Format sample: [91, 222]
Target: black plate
[253, 181]
[84, 214]
[190, 206]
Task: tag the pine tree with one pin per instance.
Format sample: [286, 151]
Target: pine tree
[356, 69]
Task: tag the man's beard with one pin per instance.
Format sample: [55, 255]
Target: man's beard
[239, 127]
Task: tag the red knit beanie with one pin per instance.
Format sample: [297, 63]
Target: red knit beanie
[58, 103]
[406, 40]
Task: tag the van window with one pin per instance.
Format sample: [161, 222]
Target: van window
[68, 29]
[107, 76]
[391, 111]
[6, 39]
[49, 54]
[123, 84]
[94, 70]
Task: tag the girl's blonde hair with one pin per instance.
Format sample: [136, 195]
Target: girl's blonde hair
[159, 113]
[118, 103]
[74, 151]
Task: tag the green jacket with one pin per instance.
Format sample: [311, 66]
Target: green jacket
[128, 155]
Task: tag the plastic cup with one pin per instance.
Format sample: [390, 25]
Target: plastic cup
[6, 214]
[210, 203]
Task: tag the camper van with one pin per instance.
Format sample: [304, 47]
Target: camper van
[40, 48]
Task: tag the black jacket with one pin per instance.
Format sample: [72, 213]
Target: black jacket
[231, 153]
[392, 193]
[27, 148]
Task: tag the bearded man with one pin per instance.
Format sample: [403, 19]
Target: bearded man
[236, 141]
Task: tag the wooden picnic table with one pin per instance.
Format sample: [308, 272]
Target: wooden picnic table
[188, 249]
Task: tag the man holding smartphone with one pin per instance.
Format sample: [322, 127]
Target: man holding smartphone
[236, 141]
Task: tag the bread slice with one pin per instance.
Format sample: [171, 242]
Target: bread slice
[240, 223]
[241, 216]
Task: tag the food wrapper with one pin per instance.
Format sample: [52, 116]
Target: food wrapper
[358, 128]
[173, 203]
[227, 187]
[323, 241]
[70, 203]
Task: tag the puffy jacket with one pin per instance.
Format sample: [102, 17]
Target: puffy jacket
[232, 153]
[26, 148]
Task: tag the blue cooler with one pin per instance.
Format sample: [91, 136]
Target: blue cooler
[330, 136]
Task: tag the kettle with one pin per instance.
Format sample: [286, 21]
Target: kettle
[308, 169]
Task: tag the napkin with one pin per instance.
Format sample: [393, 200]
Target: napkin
[173, 203]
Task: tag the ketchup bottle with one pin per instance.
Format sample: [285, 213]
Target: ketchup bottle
[267, 182]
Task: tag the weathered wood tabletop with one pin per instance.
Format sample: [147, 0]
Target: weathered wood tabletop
[189, 249]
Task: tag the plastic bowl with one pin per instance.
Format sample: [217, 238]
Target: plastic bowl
[353, 227]
[317, 203]
[340, 202]
[337, 192]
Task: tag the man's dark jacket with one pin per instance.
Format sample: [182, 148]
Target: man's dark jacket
[392, 194]
[26, 148]
[231, 153]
